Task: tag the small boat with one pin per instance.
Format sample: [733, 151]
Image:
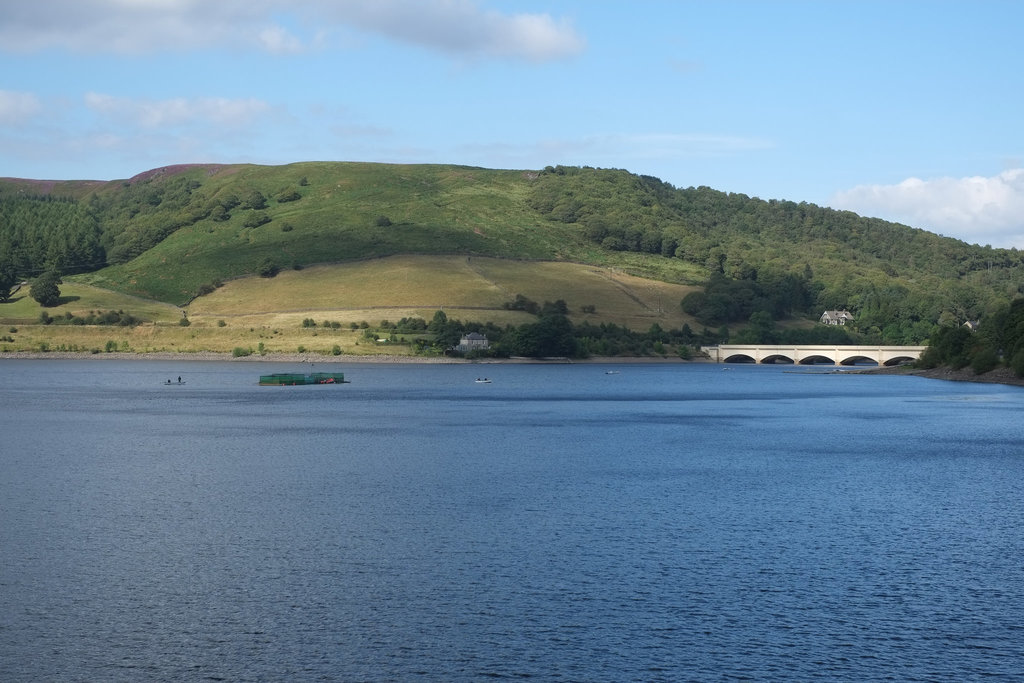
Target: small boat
[170, 383]
[482, 380]
[611, 372]
[291, 379]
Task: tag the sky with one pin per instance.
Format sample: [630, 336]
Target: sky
[905, 110]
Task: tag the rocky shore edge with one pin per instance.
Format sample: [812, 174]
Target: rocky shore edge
[997, 376]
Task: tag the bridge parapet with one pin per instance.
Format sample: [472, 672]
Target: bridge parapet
[809, 354]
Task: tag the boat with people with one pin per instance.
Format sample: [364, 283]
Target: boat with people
[482, 380]
[291, 379]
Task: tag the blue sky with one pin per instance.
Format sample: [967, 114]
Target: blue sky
[905, 110]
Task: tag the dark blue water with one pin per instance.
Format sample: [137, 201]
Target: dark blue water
[667, 523]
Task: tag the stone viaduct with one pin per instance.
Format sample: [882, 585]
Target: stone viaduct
[809, 355]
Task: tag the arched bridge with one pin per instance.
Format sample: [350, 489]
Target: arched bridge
[809, 355]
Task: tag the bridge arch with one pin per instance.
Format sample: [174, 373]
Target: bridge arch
[899, 360]
[857, 358]
[816, 359]
[777, 359]
[738, 358]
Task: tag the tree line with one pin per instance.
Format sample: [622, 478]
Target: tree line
[554, 335]
[998, 342]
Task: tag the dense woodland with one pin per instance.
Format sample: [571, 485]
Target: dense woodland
[999, 341]
[784, 258]
[761, 262]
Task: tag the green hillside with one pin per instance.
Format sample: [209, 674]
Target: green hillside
[178, 233]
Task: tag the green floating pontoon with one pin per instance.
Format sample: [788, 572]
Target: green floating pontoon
[289, 379]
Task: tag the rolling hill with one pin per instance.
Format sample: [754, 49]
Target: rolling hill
[185, 235]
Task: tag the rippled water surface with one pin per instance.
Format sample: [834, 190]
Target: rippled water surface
[662, 523]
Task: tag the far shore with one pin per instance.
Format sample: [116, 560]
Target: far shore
[316, 358]
[997, 376]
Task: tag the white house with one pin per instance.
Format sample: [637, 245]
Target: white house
[473, 341]
[836, 317]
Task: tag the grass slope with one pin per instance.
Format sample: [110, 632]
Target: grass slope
[430, 209]
[250, 311]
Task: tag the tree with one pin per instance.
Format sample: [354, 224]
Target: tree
[7, 281]
[551, 336]
[45, 289]
[437, 324]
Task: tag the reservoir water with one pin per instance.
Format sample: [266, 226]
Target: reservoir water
[660, 523]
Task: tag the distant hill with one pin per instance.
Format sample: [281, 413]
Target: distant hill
[179, 232]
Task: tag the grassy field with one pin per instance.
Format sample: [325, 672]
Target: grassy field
[267, 314]
[79, 299]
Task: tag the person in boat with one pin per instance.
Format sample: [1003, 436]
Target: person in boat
[179, 379]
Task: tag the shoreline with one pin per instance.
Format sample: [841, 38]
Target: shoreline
[200, 356]
[1003, 376]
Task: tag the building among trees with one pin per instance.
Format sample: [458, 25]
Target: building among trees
[836, 317]
[474, 341]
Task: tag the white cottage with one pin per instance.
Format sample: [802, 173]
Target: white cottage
[836, 317]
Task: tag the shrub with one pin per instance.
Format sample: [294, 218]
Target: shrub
[268, 268]
[382, 222]
[255, 200]
[336, 350]
[184, 322]
[221, 323]
[286, 227]
[256, 219]
[239, 352]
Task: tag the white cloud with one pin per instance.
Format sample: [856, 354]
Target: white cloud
[278, 40]
[976, 209]
[179, 111]
[457, 27]
[17, 107]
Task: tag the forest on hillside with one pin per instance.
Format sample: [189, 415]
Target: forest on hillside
[998, 341]
[784, 258]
